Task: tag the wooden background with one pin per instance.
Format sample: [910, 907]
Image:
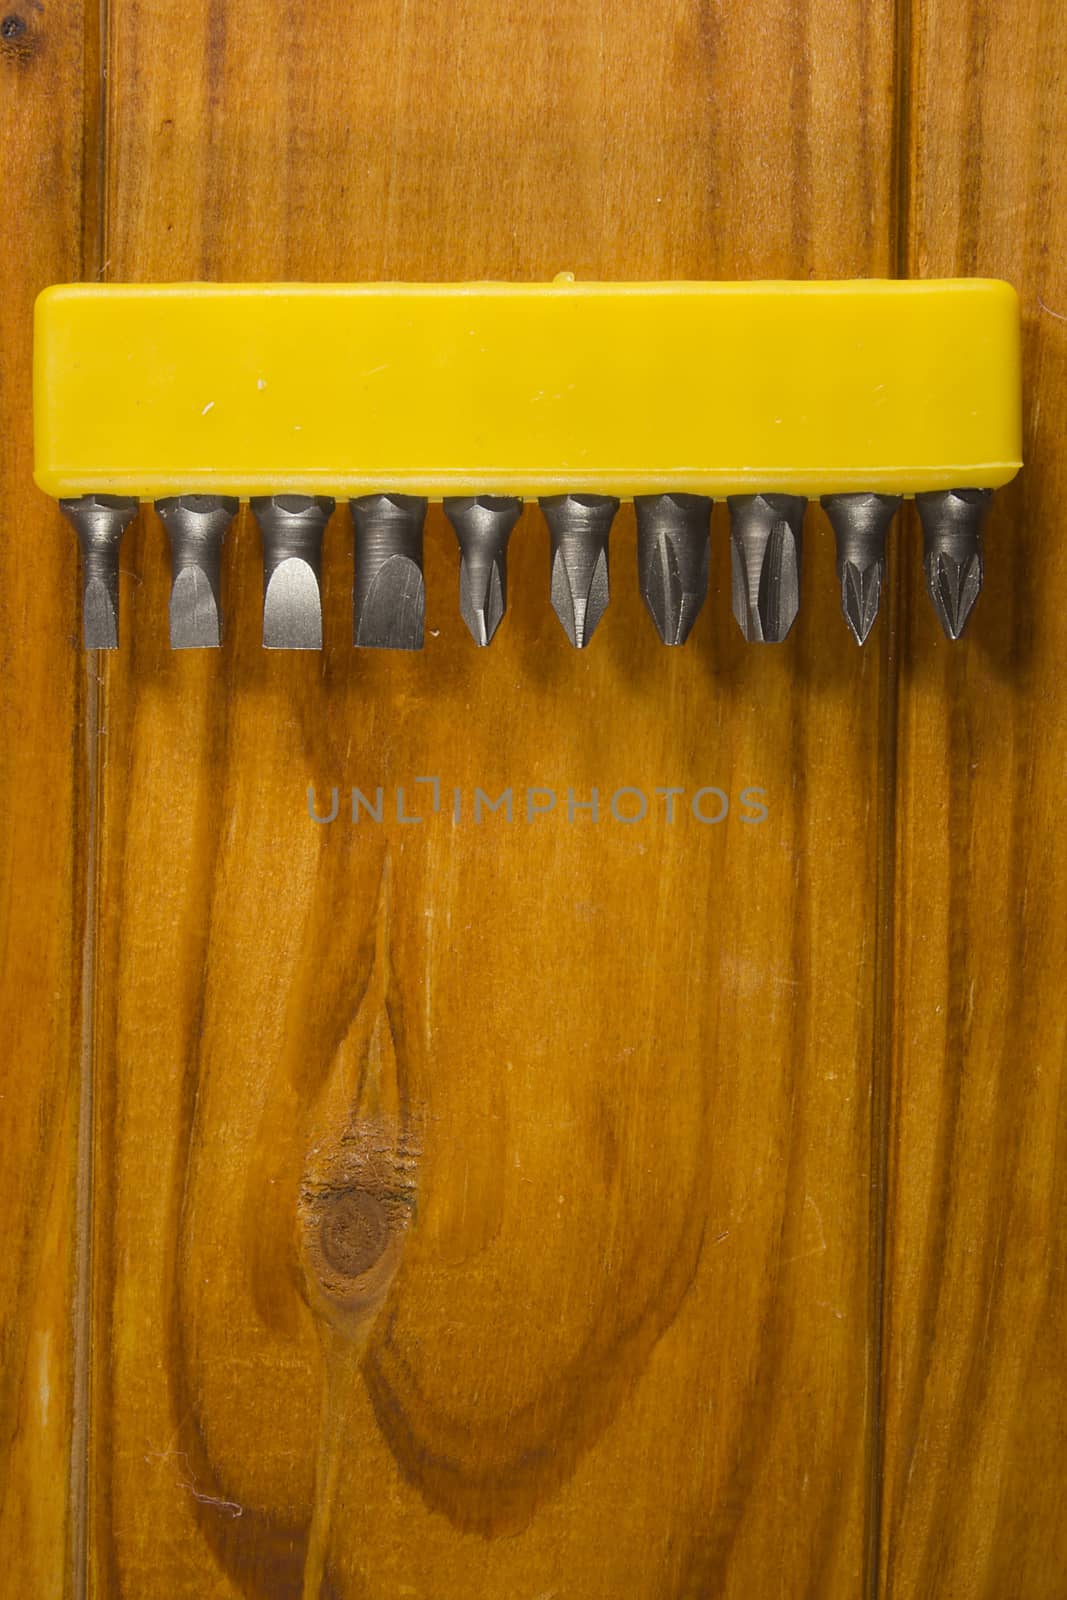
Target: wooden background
[555, 1212]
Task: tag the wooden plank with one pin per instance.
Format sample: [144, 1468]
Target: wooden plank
[976, 1398]
[483, 1208]
[42, 811]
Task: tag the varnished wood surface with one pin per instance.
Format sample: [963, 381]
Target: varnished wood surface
[43, 851]
[551, 1209]
[976, 1291]
[624, 1286]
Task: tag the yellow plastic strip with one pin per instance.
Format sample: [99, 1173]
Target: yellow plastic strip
[714, 388]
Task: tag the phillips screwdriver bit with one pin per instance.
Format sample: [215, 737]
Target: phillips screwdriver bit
[860, 523]
[579, 525]
[483, 525]
[196, 525]
[672, 559]
[389, 599]
[292, 526]
[952, 522]
[100, 520]
[766, 532]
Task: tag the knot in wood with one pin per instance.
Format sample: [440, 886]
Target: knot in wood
[353, 1232]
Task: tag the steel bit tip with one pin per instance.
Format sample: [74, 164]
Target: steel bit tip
[482, 604]
[952, 522]
[389, 598]
[292, 526]
[861, 596]
[766, 535]
[483, 526]
[860, 523]
[672, 559]
[954, 586]
[579, 525]
[292, 607]
[194, 612]
[100, 520]
[392, 609]
[196, 526]
[100, 622]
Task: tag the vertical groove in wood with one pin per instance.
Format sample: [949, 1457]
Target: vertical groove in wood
[893, 622]
[902, 47]
[41, 845]
[896, 623]
[91, 721]
[88, 795]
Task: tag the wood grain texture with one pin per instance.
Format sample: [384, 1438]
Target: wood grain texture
[484, 1208]
[976, 1395]
[535, 1208]
[42, 127]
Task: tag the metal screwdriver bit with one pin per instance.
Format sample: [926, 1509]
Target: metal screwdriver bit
[952, 522]
[672, 559]
[100, 520]
[292, 526]
[196, 525]
[483, 525]
[579, 525]
[860, 523]
[389, 599]
[766, 533]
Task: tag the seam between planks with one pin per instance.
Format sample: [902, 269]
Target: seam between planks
[887, 869]
[90, 711]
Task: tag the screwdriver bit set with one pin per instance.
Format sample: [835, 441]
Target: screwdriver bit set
[579, 395]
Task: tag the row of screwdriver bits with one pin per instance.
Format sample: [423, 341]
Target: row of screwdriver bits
[389, 594]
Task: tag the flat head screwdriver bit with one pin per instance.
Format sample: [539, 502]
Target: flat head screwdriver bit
[673, 545]
[860, 523]
[292, 526]
[952, 522]
[579, 525]
[483, 525]
[196, 525]
[766, 534]
[100, 520]
[389, 598]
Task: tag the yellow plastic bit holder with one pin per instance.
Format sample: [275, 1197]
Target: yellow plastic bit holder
[148, 390]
